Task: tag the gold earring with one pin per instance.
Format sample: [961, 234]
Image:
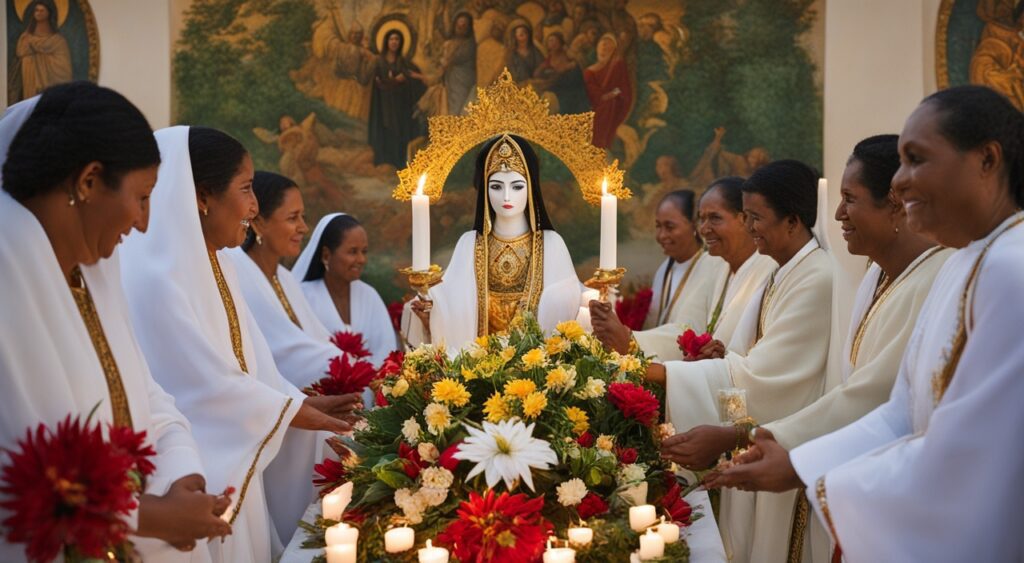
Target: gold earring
[206, 212]
[327, 266]
[259, 239]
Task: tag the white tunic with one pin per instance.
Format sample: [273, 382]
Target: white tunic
[370, 316]
[918, 481]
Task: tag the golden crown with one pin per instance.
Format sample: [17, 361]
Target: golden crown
[504, 158]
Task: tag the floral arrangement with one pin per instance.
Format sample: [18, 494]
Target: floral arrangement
[514, 439]
[632, 311]
[68, 491]
[348, 372]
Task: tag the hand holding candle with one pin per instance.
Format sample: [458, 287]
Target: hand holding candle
[421, 228]
[609, 228]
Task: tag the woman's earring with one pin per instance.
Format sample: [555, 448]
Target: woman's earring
[896, 229]
[206, 212]
[259, 239]
[327, 266]
[71, 200]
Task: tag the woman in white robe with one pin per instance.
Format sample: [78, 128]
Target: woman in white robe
[66, 346]
[203, 345]
[329, 269]
[511, 231]
[779, 351]
[934, 473]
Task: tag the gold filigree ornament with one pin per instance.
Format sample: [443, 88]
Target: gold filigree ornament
[505, 108]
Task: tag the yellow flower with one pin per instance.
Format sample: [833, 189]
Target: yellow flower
[519, 388]
[468, 374]
[482, 341]
[570, 329]
[605, 442]
[399, 388]
[450, 391]
[496, 408]
[409, 372]
[556, 345]
[438, 418]
[627, 363]
[534, 404]
[560, 378]
[535, 358]
[507, 354]
[578, 418]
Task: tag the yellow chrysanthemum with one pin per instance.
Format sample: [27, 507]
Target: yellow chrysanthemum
[482, 341]
[560, 378]
[556, 345]
[570, 329]
[409, 372]
[468, 374]
[399, 388]
[451, 392]
[519, 388]
[507, 354]
[578, 418]
[605, 442]
[535, 358]
[628, 363]
[534, 404]
[495, 408]
[438, 418]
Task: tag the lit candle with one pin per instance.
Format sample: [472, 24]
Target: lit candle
[581, 536]
[340, 534]
[609, 235]
[342, 553]
[397, 540]
[642, 517]
[559, 554]
[651, 546]
[421, 228]
[431, 554]
[333, 505]
[669, 531]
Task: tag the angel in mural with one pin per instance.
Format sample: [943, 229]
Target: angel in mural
[998, 60]
[300, 150]
[339, 66]
[42, 54]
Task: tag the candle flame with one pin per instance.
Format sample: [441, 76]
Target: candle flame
[604, 186]
[419, 185]
[429, 544]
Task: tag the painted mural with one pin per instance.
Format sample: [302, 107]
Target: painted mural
[982, 42]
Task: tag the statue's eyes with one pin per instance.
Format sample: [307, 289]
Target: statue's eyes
[518, 187]
[496, 187]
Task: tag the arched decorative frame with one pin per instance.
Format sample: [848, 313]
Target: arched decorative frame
[941, 45]
[93, 33]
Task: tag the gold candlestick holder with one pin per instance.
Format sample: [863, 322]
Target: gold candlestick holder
[605, 280]
[422, 280]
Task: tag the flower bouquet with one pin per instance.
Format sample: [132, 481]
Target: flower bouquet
[517, 438]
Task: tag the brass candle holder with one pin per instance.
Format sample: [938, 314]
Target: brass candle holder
[422, 280]
[605, 280]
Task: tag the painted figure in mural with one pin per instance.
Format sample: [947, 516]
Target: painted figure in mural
[562, 77]
[397, 85]
[556, 20]
[339, 66]
[458, 61]
[522, 57]
[301, 151]
[717, 162]
[583, 45]
[43, 57]
[998, 60]
[643, 207]
[490, 51]
[527, 266]
[609, 89]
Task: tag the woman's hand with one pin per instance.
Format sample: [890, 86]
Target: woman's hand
[656, 374]
[422, 311]
[185, 514]
[310, 417]
[712, 350]
[764, 467]
[608, 328]
[699, 448]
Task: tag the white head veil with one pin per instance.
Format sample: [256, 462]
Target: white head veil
[301, 265]
[820, 229]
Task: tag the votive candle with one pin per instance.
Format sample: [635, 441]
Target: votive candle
[397, 540]
[642, 517]
[341, 553]
[652, 546]
[342, 533]
[431, 554]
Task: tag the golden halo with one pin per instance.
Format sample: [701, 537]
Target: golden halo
[62, 9]
[387, 25]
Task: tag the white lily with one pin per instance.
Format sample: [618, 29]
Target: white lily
[506, 451]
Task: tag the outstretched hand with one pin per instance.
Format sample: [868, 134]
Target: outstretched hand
[700, 447]
[764, 467]
[608, 328]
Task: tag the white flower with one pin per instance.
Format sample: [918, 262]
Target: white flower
[433, 496]
[506, 450]
[632, 473]
[412, 504]
[438, 417]
[428, 452]
[360, 425]
[411, 430]
[593, 389]
[571, 492]
[436, 478]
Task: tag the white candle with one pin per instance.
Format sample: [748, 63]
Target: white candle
[651, 546]
[581, 536]
[431, 554]
[340, 534]
[397, 540]
[342, 553]
[333, 504]
[641, 517]
[421, 228]
[560, 555]
[669, 531]
[609, 234]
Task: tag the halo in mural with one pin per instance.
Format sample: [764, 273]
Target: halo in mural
[399, 22]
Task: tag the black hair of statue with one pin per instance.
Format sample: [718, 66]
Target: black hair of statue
[71, 126]
[540, 214]
[331, 238]
[970, 116]
[731, 190]
[216, 157]
[879, 159]
[269, 188]
[790, 187]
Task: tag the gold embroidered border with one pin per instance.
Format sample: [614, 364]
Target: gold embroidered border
[115, 386]
[801, 512]
[536, 272]
[664, 312]
[769, 293]
[283, 298]
[229, 308]
[252, 467]
[819, 491]
[716, 315]
[535, 283]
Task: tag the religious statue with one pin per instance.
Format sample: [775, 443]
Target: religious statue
[43, 57]
[512, 262]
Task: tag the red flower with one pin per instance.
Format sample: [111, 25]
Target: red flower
[395, 312]
[586, 439]
[507, 528]
[411, 461]
[71, 489]
[332, 475]
[632, 311]
[392, 365]
[352, 343]
[344, 377]
[691, 344]
[379, 399]
[634, 402]
[354, 516]
[626, 455]
[592, 505]
[678, 509]
[447, 459]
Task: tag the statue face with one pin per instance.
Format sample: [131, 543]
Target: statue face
[507, 194]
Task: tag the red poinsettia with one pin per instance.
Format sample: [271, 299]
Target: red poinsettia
[69, 490]
[447, 459]
[679, 510]
[507, 528]
[392, 365]
[632, 311]
[332, 474]
[395, 312]
[634, 401]
[592, 505]
[352, 343]
[345, 377]
[691, 344]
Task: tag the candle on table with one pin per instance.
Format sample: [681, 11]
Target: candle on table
[641, 517]
[342, 553]
[669, 531]
[652, 546]
[609, 234]
[581, 536]
[333, 504]
[397, 540]
[559, 554]
[431, 554]
[421, 228]
[340, 534]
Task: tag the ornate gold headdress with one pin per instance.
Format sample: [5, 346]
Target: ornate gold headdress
[505, 156]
